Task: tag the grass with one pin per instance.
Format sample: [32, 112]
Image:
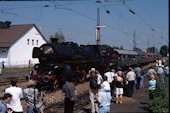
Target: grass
[15, 69]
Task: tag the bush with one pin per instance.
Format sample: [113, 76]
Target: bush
[160, 102]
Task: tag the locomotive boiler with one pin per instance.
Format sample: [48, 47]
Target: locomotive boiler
[59, 62]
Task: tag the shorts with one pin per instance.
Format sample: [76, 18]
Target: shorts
[119, 91]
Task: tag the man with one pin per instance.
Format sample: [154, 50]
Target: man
[3, 103]
[3, 64]
[131, 81]
[99, 78]
[110, 79]
[139, 76]
[150, 72]
[16, 93]
[68, 90]
[166, 70]
[31, 94]
[109, 75]
[160, 71]
[104, 97]
[151, 86]
[94, 86]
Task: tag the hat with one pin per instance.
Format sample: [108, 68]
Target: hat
[112, 70]
[104, 77]
[160, 65]
[92, 70]
[105, 85]
[31, 83]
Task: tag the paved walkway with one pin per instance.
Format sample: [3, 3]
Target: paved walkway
[134, 104]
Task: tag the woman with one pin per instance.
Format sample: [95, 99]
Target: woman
[104, 97]
[119, 87]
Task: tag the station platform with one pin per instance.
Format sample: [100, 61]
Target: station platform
[134, 104]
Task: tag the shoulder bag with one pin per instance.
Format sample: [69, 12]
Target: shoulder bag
[38, 107]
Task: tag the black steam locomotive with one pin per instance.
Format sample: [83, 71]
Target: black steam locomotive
[58, 62]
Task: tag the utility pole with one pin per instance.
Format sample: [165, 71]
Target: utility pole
[134, 41]
[98, 28]
[148, 42]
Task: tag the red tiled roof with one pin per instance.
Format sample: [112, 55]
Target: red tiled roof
[9, 35]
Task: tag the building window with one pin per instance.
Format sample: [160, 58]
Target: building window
[3, 51]
[32, 42]
[28, 41]
[37, 42]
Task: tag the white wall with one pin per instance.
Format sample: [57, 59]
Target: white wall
[20, 52]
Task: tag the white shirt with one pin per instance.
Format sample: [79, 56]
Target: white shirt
[131, 76]
[15, 103]
[99, 79]
[109, 76]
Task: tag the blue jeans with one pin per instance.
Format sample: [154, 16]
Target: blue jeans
[141, 82]
[30, 109]
[104, 109]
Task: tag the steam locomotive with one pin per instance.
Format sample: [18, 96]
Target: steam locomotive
[58, 62]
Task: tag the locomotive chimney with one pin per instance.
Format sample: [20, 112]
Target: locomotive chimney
[54, 40]
[4, 25]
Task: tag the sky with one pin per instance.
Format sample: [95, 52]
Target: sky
[77, 20]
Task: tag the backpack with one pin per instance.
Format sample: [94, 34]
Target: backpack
[138, 71]
[93, 82]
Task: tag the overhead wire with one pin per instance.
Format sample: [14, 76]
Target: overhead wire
[117, 23]
[150, 26]
[86, 16]
[152, 19]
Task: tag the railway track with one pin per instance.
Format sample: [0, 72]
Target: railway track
[6, 81]
[83, 100]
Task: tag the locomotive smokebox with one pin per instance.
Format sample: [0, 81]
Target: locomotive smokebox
[36, 52]
[64, 72]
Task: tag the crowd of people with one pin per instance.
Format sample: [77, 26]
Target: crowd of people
[114, 84]
[103, 90]
[11, 102]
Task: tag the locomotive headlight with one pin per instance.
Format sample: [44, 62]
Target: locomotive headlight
[56, 67]
[36, 67]
[46, 79]
[110, 64]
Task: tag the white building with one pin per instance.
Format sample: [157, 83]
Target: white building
[17, 43]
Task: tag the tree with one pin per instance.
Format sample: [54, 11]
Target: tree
[137, 49]
[114, 47]
[151, 49]
[121, 47]
[59, 36]
[160, 102]
[164, 50]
